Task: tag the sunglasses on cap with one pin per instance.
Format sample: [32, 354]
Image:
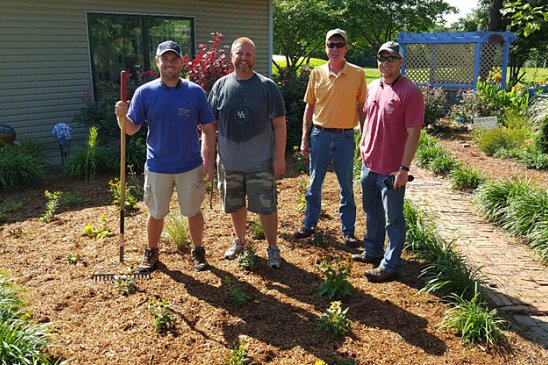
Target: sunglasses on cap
[336, 45]
[388, 59]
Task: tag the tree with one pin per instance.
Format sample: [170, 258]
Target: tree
[299, 29]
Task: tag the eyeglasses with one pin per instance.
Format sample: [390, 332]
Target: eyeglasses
[388, 59]
[336, 45]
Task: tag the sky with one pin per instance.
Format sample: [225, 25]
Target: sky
[464, 7]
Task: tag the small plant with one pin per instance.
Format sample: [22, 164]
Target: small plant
[101, 232]
[301, 163]
[238, 355]
[491, 141]
[51, 205]
[162, 316]
[20, 165]
[125, 284]
[434, 104]
[114, 188]
[257, 230]
[301, 207]
[13, 207]
[318, 240]
[336, 284]
[473, 321]
[303, 184]
[235, 295]
[443, 164]
[73, 258]
[71, 200]
[335, 320]
[248, 259]
[466, 179]
[176, 231]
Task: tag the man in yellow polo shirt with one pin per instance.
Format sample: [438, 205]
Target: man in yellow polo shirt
[334, 105]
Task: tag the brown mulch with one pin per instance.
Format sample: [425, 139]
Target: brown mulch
[391, 323]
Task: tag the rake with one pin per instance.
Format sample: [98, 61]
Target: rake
[111, 273]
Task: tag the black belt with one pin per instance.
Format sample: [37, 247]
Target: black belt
[333, 130]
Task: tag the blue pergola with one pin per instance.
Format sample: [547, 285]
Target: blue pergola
[455, 60]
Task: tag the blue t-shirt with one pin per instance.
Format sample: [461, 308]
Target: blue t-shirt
[172, 115]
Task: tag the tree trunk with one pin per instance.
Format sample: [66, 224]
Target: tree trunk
[495, 17]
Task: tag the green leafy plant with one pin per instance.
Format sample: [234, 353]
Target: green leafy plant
[336, 284]
[301, 163]
[473, 321]
[162, 315]
[335, 320]
[248, 259]
[51, 205]
[20, 166]
[318, 240]
[97, 232]
[443, 164]
[115, 189]
[125, 284]
[257, 230]
[238, 355]
[176, 231]
[434, 103]
[301, 207]
[235, 295]
[73, 258]
[466, 179]
[71, 200]
[492, 140]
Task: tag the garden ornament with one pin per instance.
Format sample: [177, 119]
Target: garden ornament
[7, 134]
[62, 133]
[112, 273]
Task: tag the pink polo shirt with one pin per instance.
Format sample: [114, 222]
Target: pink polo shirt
[390, 110]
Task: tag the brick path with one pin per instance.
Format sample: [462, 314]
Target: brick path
[517, 284]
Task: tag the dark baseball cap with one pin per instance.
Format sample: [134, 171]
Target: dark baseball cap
[393, 48]
[168, 46]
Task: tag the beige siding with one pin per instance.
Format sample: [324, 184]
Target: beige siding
[44, 53]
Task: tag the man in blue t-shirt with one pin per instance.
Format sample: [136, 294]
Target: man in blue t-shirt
[172, 108]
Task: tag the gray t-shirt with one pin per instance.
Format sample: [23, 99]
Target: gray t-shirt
[245, 110]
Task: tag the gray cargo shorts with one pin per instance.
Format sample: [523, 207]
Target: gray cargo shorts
[259, 186]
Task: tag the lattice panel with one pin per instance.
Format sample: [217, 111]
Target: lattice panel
[491, 59]
[437, 64]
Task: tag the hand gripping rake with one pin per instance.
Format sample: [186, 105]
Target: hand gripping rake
[110, 273]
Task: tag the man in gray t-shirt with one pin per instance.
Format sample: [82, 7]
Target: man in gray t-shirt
[250, 113]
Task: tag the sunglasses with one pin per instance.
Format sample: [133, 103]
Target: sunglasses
[336, 45]
[388, 59]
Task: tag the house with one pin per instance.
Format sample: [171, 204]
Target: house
[56, 53]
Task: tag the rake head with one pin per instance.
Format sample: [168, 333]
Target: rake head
[111, 273]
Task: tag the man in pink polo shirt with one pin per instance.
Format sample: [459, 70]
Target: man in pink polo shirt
[394, 118]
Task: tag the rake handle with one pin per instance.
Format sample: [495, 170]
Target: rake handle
[123, 97]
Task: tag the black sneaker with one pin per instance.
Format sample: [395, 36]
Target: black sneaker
[303, 233]
[379, 275]
[198, 258]
[151, 257]
[351, 241]
[366, 259]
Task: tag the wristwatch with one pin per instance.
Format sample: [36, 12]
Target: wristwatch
[405, 168]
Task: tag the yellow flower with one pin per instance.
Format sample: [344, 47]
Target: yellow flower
[295, 148]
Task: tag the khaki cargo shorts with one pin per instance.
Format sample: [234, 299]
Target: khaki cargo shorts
[159, 189]
[259, 186]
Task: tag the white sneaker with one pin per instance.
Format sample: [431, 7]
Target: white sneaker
[234, 250]
[274, 259]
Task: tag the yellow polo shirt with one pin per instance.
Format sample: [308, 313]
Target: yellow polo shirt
[336, 98]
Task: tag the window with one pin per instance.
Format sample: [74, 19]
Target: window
[128, 42]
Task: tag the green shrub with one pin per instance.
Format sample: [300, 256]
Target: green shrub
[257, 230]
[526, 210]
[85, 163]
[466, 179]
[434, 104]
[336, 284]
[537, 238]
[293, 87]
[19, 166]
[493, 197]
[443, 163]
[533, 158]
[492, 140]
[473, 321]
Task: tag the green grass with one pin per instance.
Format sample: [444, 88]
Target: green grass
[176, 231]
[370, 73]
[533, 74]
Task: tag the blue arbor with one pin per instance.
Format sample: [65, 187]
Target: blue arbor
[455, 60]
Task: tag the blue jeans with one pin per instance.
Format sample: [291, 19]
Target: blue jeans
[324, 147]
[384, 210]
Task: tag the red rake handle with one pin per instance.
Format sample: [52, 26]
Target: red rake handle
[123, 85]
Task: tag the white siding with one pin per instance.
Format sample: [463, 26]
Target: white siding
[44, 53]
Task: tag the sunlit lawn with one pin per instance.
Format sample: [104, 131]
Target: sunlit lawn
[531, 74]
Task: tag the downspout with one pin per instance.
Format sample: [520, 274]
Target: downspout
[270, 39]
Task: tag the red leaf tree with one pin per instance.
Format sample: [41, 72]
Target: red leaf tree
[210, 64]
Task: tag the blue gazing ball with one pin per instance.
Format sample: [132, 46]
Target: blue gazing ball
[62, 133]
